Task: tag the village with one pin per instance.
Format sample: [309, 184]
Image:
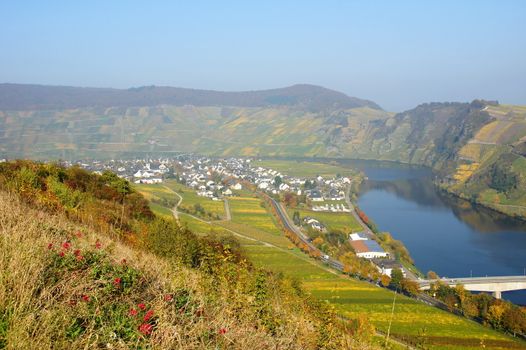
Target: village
[219, 178]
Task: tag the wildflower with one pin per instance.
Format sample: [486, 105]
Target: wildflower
[98, 244]
[61, 254]
[148, 315]
[50, 246]
[85, 297]
[123, 261]
[141, 306]
[76, 252]
[80, 257]
[168, 297]
[146, 328]
[133, 312]
[117, 281]
[222, 330]
[66, 245]
[78, 234]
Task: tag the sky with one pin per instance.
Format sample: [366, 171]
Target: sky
[396, 53]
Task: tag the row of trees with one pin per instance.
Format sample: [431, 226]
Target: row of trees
[499, 314]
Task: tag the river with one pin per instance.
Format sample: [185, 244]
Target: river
[449, 236]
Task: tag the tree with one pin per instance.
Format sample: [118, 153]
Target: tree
[396, 278]
[514, 320]
[385, 280]
[495, 313]
[296, 218]
[290, 200]
[451, 302]
[278, 181]
[432, 275]
[318, 241]
[469, 308]
[411, 287]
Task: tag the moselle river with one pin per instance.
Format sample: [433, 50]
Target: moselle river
[444, 234]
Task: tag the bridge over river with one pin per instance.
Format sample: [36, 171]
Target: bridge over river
[495, 285]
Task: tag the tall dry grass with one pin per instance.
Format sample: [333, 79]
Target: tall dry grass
[39, 302]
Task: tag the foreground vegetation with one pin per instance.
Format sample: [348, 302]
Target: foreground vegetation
[86, 264]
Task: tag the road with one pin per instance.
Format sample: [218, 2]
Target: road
[174, 209]
[228, 215]
[366, 228]
[291, 227]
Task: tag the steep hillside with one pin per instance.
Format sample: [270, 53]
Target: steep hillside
[478, 147]
[85, 264]
[430, 134]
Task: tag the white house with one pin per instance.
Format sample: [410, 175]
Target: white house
[368, 249]
[263, 185]
[237, 186]
[359, 236]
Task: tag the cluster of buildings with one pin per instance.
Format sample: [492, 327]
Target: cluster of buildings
[219, 177]
[148, 171]
[333, 208]
[314, 223]
[213, 178]
[364, 247]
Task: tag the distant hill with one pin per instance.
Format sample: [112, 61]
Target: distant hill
[308, 97]
[479, 147]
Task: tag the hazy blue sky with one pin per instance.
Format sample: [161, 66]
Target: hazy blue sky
[397, 53]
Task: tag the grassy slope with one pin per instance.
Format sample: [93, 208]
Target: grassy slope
[353, 298]
[42, 305]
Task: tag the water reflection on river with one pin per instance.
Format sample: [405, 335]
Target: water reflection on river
[444, 234]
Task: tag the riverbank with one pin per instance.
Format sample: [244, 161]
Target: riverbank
[513, 211]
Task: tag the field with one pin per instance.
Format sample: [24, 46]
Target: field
[304, 168]
[250, 211]
[267, 247]
[190, 198]
[344, 222]
[353, 298]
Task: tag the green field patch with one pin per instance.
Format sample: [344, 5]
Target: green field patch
[343, 222]
[304, 168]
[251, 211]
[352, 298]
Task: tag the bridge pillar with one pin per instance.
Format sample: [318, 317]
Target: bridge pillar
[497, 294]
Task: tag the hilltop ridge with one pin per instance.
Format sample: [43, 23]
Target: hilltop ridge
[310, 97]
